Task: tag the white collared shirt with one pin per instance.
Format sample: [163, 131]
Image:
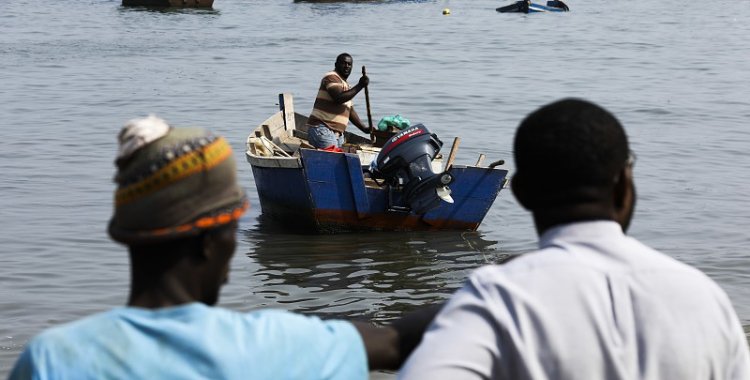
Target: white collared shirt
[591, 303]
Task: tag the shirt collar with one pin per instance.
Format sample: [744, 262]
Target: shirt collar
[580, 231]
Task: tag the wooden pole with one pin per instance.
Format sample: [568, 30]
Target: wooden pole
[452, 154]
[480, 160]
[369, 114]
[286, 106]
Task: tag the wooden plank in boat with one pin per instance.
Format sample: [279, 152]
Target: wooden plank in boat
[293, 144]
[274, 162]
[299, 134]
[286, 104]
[275, 125]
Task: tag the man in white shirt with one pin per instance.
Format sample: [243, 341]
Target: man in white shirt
[591, 303]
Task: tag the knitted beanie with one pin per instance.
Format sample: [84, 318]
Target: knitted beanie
[172, 183]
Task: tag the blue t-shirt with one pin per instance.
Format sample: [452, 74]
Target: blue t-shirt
[195, 341]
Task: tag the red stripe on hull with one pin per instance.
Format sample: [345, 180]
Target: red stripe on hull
[333, 221]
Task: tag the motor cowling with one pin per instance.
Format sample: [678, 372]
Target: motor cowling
[405, 162]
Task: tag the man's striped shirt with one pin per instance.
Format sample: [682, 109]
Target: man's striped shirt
[326, 110]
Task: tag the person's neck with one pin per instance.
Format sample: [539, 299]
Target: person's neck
[549, 217]
[172, 288]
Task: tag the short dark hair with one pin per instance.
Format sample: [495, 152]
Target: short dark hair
[569, 151]
[341, 56]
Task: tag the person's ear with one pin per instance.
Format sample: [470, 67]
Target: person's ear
[219, 244]
[621, 189]
[520, 190]
[199, 251]
[623, 197]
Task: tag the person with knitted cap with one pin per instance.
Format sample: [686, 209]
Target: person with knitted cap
[176, 207]
[172, 183]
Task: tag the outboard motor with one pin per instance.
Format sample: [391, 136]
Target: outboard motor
[405, 162]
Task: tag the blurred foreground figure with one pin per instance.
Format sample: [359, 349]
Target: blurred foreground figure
[177, 205]
[591, 303]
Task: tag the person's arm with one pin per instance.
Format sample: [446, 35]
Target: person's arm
[354, 118]
[340, 96]
[381, 345]
[388, 346]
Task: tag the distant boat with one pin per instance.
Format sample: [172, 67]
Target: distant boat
[341, 1]
[525, 6]
[400, 183]
[169, 3]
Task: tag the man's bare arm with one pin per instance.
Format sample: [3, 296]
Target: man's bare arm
[354, 118]
[341, 97]
[389, 346]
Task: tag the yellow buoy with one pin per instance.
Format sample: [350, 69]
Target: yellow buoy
[446, 11]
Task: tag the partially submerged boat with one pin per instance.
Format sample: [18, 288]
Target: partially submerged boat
[526, 6]
[169, 3]
[397, 181]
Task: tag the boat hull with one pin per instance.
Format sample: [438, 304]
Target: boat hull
[326, 192]
[529, 7]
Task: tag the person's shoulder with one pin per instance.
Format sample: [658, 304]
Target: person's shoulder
[505, 265]
[67, 336]
[331, 78]
[492, 274]
[263, 314]
[77, 326]
[332, 75]
[276, 327]
[524, 262]
[264, 318]
[53, 348]
[652, 263]
[536, 268]
[647, 258]
[279, 320]
[339, 348]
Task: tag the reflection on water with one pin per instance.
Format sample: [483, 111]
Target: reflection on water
[376, 275]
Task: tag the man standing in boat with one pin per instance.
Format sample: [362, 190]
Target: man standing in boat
[333, 108]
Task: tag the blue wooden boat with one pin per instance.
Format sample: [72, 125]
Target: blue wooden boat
[321, 191]
[526, 6]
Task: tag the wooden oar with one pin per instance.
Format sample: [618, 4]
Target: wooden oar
[369, 114]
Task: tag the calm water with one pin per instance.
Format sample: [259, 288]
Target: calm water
[72, 72]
